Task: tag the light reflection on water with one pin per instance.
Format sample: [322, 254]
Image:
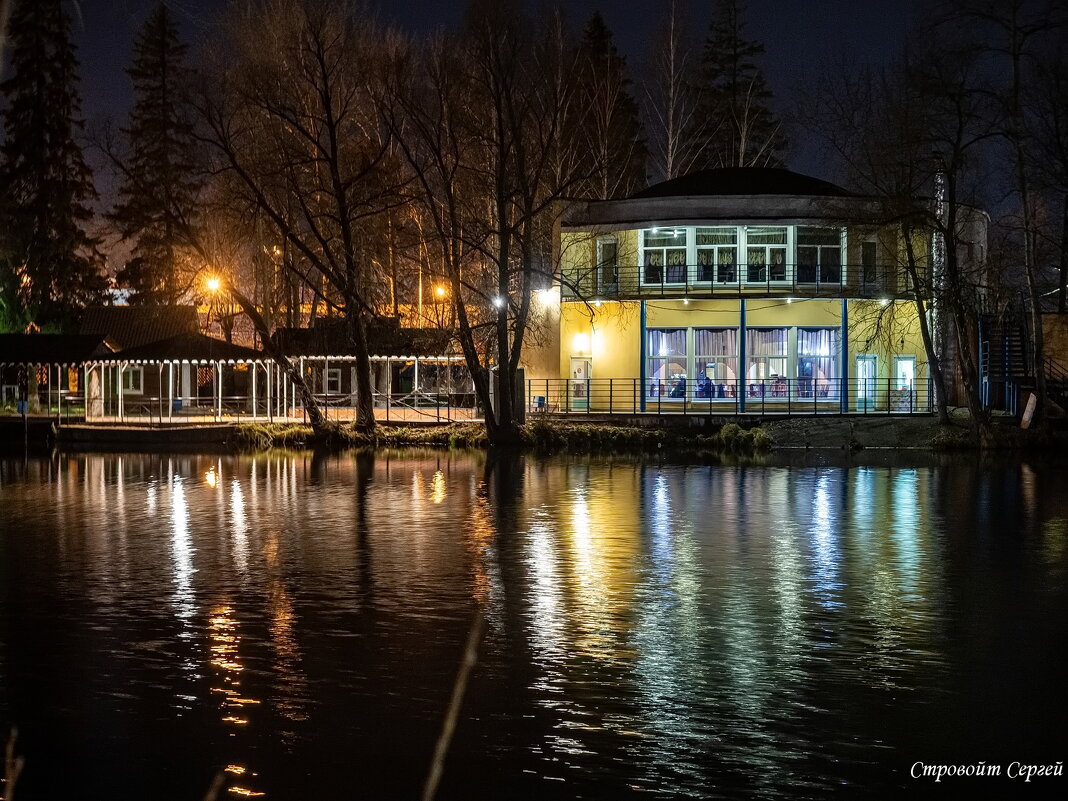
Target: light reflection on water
[695, 631]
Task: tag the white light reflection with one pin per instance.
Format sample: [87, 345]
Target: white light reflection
[181, 554]
[825, 544]
[239, 524]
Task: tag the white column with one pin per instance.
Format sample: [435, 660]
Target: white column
[253, 366]
[170, 391]
[122, 369]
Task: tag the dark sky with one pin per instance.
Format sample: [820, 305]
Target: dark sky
[798, 37]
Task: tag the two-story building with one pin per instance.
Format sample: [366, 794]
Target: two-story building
[736, 290]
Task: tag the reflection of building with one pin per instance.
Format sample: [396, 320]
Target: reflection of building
[740, 287]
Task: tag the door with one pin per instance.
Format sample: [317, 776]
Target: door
[581, 369]
[903, 393]
[865, 382]
[904, 372]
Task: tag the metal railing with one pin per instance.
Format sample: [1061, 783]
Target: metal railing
[160, 410]
[778, 396]
[718, 280]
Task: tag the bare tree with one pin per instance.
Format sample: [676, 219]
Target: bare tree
[1012, 30]
[677, 136]
[479, 121]
[911, 135]
[294, 128]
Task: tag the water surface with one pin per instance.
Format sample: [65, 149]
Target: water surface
[685, 631]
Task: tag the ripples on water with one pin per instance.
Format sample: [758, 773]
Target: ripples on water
[690, 631]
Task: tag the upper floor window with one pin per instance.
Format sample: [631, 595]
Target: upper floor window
[608, 262]
[765, 253]
[717, 254]
[664, 256]
[868, 251]
[819, 255]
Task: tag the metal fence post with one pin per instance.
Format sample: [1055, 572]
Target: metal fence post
[611, 381]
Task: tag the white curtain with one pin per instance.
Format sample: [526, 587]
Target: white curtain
[667, 342]
[817, 342]
[766, 341]
[716, 341]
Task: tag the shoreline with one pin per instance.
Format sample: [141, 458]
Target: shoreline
[745, 436]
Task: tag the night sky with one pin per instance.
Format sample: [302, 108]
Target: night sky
[798, 37]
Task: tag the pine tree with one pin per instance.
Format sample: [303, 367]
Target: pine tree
[608, 122]
[47, 186]
[739, 128]
[157, 197]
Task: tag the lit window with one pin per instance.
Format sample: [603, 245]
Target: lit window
[765, 369]
[717, 254]
[667, 357]
[664, 256]
[765, 249]
[817, 362]
[717, 362]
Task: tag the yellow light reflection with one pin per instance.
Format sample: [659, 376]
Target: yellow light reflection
[437, 487]
[211, 479]
[282, 627]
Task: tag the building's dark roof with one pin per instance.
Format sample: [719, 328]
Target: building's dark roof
[51, 348]
[133, 326]
[385, 337]
[743, 181]
[188, 347]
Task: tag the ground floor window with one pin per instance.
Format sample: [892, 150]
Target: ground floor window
[716, 362]
[333, 380]
[133, 380]
[765, 370]
[667, 362]
[817, 362]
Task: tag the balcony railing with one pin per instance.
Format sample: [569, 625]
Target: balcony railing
[729, 280]
[778, 396]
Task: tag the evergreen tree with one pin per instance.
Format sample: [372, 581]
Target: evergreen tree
[158, 194]
[47, 186]
[608, 123]
[738, 126]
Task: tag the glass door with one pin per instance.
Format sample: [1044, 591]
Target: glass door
[902, 396]
[866, 388]
[581, 369]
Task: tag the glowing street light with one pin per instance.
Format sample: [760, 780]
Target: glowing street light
[213, 284]
[498, 302]
[439, 291]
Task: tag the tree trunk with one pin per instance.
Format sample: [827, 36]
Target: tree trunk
[311, 406]
[934, 364]
[365, 407]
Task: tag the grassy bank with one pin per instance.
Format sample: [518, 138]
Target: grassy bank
[542, 436]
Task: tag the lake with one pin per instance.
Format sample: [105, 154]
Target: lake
[805, 628]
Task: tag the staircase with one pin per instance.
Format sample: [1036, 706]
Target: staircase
[1005, 363]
